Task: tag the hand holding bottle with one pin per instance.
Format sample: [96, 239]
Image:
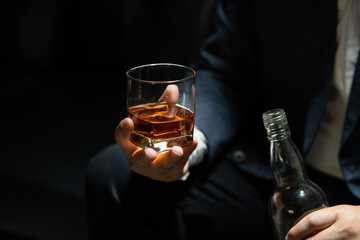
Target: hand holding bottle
[295, 195]
[333, 223]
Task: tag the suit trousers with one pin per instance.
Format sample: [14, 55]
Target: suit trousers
[224, 202]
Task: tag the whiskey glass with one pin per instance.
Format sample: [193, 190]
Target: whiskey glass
[161, 103]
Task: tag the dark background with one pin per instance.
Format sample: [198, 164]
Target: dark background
[62, 93]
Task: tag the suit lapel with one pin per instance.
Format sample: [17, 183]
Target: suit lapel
[320, 20]
[315, 113]
[353, 109]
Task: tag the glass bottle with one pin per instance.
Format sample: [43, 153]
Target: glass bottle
[295, 195]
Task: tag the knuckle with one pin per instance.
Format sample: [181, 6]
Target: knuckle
[311, 220]
[350, 230]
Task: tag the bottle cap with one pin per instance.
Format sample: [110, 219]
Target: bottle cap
[276, 124]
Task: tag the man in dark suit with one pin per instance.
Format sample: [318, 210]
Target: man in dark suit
[261, 55]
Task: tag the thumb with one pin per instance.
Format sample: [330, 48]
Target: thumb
[170, 95]
[122, 135]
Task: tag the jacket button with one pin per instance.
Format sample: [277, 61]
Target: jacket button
[353, 168]
[239, 156]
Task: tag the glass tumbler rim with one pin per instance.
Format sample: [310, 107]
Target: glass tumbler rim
[128, 72]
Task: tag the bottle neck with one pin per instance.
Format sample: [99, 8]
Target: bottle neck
[285, 159]
[286, 162]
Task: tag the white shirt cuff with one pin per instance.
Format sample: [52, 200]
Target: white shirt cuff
[199, 153]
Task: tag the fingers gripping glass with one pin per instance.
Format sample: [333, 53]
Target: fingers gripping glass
[161, 102]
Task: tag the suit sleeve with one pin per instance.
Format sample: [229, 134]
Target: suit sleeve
[225, 76]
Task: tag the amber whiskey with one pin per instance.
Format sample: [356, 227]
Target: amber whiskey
[161, 126]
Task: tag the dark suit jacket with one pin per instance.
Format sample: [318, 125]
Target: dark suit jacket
[264, 55]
